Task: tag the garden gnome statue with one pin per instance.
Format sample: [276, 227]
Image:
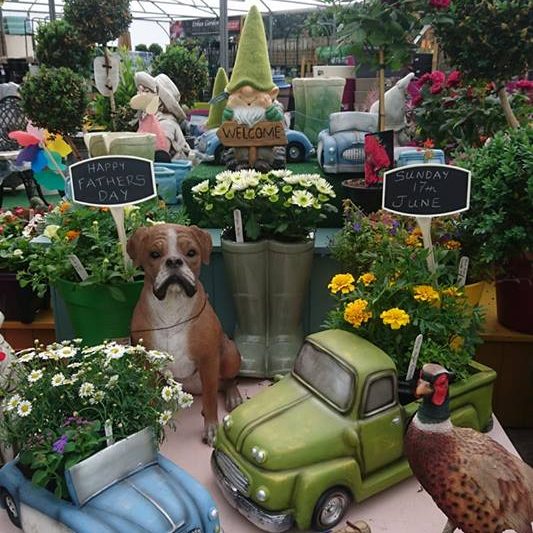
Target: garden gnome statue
[252, 97]
[169, 114]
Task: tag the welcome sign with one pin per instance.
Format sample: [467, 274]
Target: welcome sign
[263, 133]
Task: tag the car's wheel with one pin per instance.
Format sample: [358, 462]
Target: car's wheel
[330, 508]
[11, 508]
[295, 152]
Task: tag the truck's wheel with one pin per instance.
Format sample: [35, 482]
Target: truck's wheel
[11, 508]
[330, 508]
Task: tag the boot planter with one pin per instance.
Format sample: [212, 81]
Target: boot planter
[269, 282]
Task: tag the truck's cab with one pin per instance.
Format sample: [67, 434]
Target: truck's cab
[329, 432]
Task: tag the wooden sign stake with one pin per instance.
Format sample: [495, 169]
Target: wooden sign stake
[118, 216]
[425, 226]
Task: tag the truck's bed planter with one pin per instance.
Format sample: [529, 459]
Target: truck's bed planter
[330, 432]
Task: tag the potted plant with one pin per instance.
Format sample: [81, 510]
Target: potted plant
[269, 272]
[101, 293]
[16, 231]
[500, 220]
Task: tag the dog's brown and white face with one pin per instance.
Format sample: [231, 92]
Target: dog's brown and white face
[171, 256]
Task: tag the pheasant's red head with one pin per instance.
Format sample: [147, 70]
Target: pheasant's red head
[433, 382]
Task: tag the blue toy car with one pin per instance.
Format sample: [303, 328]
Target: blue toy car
[298, 149]
[125, 488]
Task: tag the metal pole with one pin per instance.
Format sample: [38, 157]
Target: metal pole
[223, 23]
[52, 9]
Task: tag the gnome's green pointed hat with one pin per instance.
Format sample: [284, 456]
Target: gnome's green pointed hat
[252, 66]
[215, 110]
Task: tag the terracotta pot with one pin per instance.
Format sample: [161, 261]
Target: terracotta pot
[368, 199]
[514, 295]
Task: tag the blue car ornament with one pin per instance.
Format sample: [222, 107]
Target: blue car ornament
[125, 488]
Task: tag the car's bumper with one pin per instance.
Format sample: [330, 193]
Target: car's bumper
[272, 522]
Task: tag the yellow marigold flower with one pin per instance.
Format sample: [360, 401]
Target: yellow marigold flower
[426, 293]
[366, 279]
[395, 318]
[342, 282]
[413, 240]
[454, 292]
[64, 207]
[456, 343]
[452, 245]
[355, 312]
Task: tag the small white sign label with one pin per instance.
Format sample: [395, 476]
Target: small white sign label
[78, 267]
[108, 430]
[237, 221]
[414, 357]
[463, 271]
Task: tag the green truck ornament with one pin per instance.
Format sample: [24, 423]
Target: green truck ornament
[329, 433]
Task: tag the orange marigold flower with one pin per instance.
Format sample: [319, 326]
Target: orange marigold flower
[452, 245]
[428, 143]
[413, 240]
[395, 318]
[72, 234]
[355, 313]
[456, 343]
[454, 292]
[64, 207]
[366, 279]
[342, 282]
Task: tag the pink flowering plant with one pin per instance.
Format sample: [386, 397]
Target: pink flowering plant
[64, 394]
[456, 114]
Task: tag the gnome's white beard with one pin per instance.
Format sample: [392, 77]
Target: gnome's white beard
[248, 115]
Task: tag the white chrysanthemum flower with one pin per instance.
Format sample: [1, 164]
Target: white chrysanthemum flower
[12, 403]
[86, 389]
[239, 182]
[176, 386]
[167, 393]
[185, 400]
[201, 188]
[26, 358]
[282, 173]
[221, 188]
[58, 379]
[164, 417]
[24, 408]
[324, 187]
[18, 253]
[268, 189]
[224, 176]
[35, 375]
[302, 198]
[65, 352]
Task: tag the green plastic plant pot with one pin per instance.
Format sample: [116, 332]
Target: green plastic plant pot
[99, 312]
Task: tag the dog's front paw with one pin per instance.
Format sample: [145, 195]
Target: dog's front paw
[209, 436]
[233, 398]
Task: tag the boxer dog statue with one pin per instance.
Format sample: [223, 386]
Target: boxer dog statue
[173, 315]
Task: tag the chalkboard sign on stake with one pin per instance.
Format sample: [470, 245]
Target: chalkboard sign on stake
[425, 191]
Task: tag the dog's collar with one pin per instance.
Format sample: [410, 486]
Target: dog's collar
[179, 323]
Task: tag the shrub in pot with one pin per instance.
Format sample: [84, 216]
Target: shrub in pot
[500, 219]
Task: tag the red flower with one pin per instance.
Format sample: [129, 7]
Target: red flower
[428, 144]
[3, 356]
[1, 229]
[423, 79]
[417, 100]
[524, 85]
[437, 77]
[436, 88]
[454, 79]
[440, 4]
[376, 159]
[469, 92]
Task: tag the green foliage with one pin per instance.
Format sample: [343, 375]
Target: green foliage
[124, 115]
[64, 394]
[501, 205]
[55, 99]
[456, 115]
[488, 40]
[278, 205]
[398, 299]
[59, 45]
[91, 235]
[141, 48]
[188, 69]
[156, 49]
[98, 21]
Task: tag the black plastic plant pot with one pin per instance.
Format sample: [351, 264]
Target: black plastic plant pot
[368, 199]
[16, 302]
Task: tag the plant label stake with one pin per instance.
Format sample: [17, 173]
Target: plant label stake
[237, 221]
[113, 182]
[426, 191]
[463, 271]
[414, 357]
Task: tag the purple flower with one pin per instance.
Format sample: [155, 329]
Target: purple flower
[357, 227]
[59, 444]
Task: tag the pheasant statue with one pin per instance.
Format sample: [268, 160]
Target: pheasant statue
[476, 482]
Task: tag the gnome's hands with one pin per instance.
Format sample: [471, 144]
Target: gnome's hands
[227, 114]
[273, 113]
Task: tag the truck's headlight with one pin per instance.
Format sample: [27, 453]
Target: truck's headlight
[227, 421]
[332, 149]
[259, 455]
[262, 494]
[213, 513]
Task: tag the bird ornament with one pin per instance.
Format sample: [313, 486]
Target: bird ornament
[476, 482]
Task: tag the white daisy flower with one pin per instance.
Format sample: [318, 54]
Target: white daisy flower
[86, 389]
[202, 187]
[13, 402]
[58, 379]
[35, 375]
[167, 393]
[165, 417]
[114, 351]
[302, 198]
[65, 352]
[283, 173]
[185, 400]
[324, 187]
[176, 386]
[99, 395]
[24, 408]
[268, 190]
[26, 358]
